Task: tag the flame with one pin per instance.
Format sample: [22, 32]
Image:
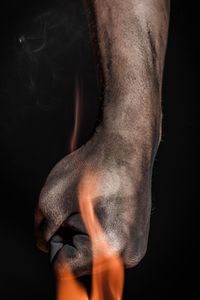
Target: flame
[68, 288]
[108, 269]
[77, 116]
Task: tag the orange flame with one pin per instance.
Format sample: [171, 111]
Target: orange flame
[68, 288]
[77, 116]
[107, 270]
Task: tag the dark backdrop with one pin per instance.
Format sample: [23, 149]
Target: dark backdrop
[44, 47]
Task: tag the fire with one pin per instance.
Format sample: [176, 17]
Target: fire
[68, 288]
[108, 269]
[77, 116]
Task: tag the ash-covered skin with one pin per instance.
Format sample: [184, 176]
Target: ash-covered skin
[131, 36]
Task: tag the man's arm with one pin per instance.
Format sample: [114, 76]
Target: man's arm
[132, 37]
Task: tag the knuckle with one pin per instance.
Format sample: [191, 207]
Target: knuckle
[135, 259]
[49, 205]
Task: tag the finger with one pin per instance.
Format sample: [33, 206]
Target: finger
[39, 220]
[55, 205]
[64, 235]
[77, 257]
[56, 243]
[76, 223]
[44, 230]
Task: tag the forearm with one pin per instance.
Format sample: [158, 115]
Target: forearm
[132, 38]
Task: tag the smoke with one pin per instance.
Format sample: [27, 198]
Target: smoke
[42, 53]
[48, 53]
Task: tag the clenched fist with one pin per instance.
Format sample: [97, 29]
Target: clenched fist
[122, 198]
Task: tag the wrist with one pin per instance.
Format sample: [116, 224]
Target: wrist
[137, 144]
[137, 122]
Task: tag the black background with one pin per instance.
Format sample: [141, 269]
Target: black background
[36, 119]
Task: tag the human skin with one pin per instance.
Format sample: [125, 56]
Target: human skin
[132, 37]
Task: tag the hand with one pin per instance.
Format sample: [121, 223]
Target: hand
[123, 208]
